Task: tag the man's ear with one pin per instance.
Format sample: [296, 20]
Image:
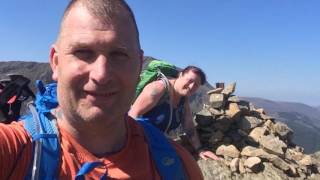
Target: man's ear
[54, 60]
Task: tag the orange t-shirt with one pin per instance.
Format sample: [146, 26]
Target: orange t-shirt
[134, 161]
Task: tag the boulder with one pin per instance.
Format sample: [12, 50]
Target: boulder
[257, 133]
[269, 125]
[234, 135]
[269, 173]
[216, 100]
[215, 112]
[283, 131]
[203, 117]
[253, 163]
[216, 137]
[222, 123]
[242, 169]
[215, 91]
[250, 151]
[273, 144]
[233, 111]
[292, 154]
[244, 107]
[229, 151]
[249, 122]
[229, 89]
[279, 163]
[234, 164]
[307, 160]
[260, 111]
[234, 99]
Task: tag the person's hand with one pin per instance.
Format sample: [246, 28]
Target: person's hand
[205, 154]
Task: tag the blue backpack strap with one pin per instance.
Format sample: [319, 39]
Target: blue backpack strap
[43, 129]
[168, 163]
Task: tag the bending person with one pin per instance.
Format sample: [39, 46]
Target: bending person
[165, 103]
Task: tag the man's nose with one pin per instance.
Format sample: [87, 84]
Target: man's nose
[101, 69]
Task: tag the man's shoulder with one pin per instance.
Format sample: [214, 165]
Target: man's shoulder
[14, 132]
[14, 142]
[14, 127]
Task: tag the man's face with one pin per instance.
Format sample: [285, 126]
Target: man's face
[188, 83]
[96, 66]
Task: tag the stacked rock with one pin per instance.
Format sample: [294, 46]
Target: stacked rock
[248, 139]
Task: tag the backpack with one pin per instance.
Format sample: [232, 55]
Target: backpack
[13, 92]
[154, 70]
[158, 69]
[46, 148]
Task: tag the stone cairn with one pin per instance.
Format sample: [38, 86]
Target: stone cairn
[249, 141]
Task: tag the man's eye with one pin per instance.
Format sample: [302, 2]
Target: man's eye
[119, 55]
[84, 54]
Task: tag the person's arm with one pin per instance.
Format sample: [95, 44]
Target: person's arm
[193, 135]
[147, 99]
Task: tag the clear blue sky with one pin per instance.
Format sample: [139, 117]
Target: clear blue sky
[271, 48]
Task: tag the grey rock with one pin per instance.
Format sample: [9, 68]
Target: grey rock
[244, 107]
[260, 111]
[234, 135]
[204, 118]
[307, 160]
[250, 151]
[269, 173]
[216, 100]
[230, 151]
[222, 123]
[234, 99]
[257, 133]
[229, 89]
[234, 165]
[292, 154]
[214, 170]
[215, 112]
[269, 125]
[279, 163]
[215, 91]
[283, 131]
[252, 162]
[233, 111]
[273, 145]
[242, 169]
[249, 122]
[216, 137]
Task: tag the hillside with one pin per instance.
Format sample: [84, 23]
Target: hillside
[303, 119]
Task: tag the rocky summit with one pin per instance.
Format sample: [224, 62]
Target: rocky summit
[251, 144]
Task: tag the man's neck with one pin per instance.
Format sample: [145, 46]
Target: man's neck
[99, 139]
